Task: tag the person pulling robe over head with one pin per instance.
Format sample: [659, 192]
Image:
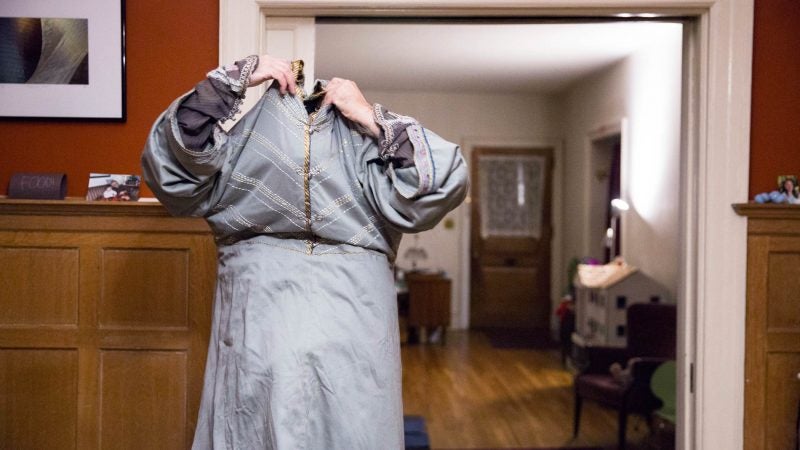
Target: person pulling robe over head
[308, 196]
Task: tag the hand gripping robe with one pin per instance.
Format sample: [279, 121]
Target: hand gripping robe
[308, 214]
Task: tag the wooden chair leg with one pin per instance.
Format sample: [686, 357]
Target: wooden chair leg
[651, 423]
[797, 443]
[623, 428]
[576, 421]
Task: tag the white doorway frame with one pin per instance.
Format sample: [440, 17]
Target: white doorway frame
[715, 142]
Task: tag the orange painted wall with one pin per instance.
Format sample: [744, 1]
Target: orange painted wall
[775, 129]
[170, 47]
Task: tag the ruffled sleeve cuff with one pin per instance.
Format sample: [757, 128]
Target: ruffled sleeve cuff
[403, 144]
[236, 78]
[213, 101]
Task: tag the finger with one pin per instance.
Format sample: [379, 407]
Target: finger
[291, 82]
[281, 79]
[329, 96]
[326, 100]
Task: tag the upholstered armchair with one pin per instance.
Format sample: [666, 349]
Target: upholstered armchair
[651, 341]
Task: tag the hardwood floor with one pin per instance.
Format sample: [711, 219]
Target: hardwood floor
[475, 396]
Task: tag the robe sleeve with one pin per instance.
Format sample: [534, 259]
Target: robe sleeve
[412, 197]
[187, 151]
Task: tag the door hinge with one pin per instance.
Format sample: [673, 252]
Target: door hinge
[691, 378]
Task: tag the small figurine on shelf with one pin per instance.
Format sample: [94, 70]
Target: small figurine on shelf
[788, 192]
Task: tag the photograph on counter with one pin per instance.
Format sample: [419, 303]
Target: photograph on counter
[787, 184]
[113, 187]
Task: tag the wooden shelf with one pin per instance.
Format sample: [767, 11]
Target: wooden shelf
[77, 214]
[79, 206]
[767, 210]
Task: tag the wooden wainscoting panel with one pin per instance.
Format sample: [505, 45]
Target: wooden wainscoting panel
[39, 286]
[755, 340]
[144, 288]
[38, 399]
[772, 338]
[104, 324]
[143, 399]
[782, 398]
[783, 291]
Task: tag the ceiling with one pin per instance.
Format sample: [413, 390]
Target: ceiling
[476, 57]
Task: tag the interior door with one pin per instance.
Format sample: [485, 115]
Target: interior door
[510, 237]
[291, 38]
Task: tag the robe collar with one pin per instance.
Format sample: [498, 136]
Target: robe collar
[318, 119]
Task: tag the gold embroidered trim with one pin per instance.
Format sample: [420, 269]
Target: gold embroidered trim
[300, 81]
[299, 77]
[297, 71]
[306, 180]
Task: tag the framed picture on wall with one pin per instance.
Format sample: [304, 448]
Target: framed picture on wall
[62, 59]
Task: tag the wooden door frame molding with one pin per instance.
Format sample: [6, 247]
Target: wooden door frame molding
[617, 126]
[715, 153]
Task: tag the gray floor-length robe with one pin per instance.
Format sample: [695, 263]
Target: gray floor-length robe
[308, 214]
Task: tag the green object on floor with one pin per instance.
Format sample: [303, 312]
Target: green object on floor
[663, 386]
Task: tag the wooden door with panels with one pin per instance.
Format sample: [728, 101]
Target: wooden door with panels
[510, 237]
